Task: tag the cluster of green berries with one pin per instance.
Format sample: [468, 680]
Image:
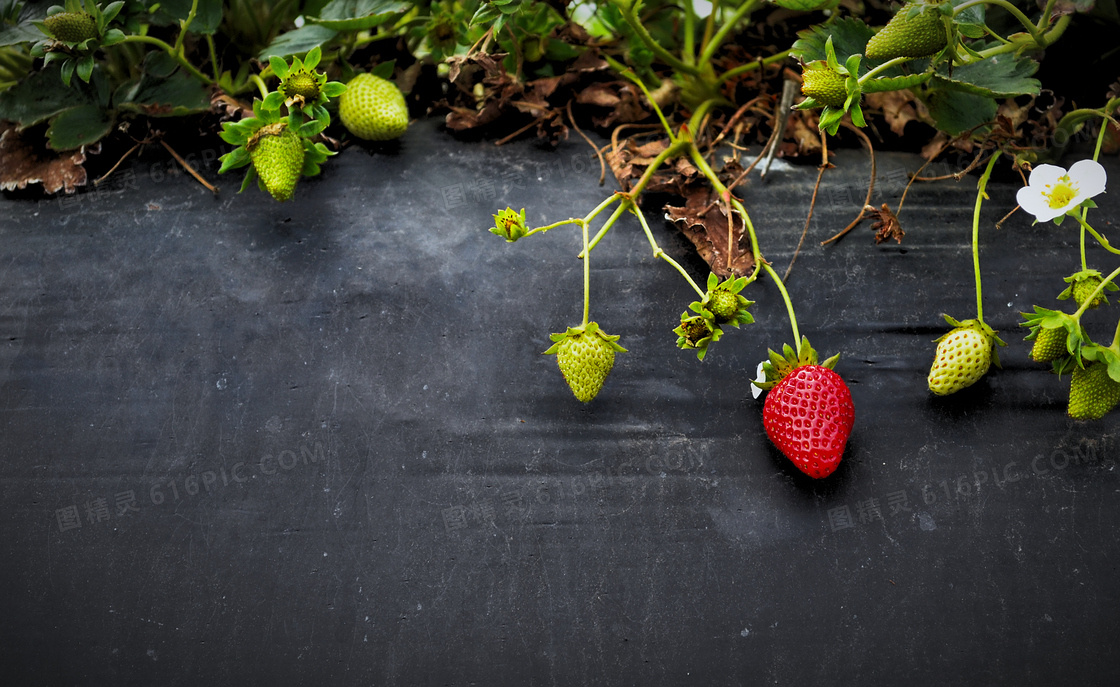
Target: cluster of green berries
[722, 305]
[279, 148]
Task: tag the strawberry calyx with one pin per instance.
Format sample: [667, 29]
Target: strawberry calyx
[835, 87]
[982, 327]
[780, 366]
[1044, 319]
[723, 303]
[510, 224]
[1082, 285]
[589, 329]
[697, 332]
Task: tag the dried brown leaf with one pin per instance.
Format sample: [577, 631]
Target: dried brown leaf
[886, 224]
[897, 108]
[705, 225]
[21, 163]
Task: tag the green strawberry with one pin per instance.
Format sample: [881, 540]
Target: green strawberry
[1092, 393]
[909, 34]
[277, 155]
[71, 27]
[723, 304]
[963, 356]
[585, 356]
[821, 83]
[373, 108]
[1084, 288]
[1049, 344]
[301, 84]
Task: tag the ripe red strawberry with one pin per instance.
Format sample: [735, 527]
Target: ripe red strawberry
[808, 413]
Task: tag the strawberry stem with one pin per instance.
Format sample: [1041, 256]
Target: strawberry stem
[658, 253]
[980, 196]
[586, 275]
[789, 304]
[1100, 239]
[1032, 29]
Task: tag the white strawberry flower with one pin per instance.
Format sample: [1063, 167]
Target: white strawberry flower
[759, 376]
[1051, 191]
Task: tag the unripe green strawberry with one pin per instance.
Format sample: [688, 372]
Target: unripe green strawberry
[1092, 393]
[824, 85]
[963, 356]
[1084, 288]
[919, 36]
[1049, 344]
[277, 155]
[585, 356]
[724, 305]
[71, 27]
[373, 108]
[301, 84]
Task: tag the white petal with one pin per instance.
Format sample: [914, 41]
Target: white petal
[1044, 175]
[1032, 201]
[760, 376]
[1090, 177]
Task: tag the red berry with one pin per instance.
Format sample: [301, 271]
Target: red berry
[809, 417]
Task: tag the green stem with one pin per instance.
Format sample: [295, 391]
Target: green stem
[172, 52]
[658, 253]
[1024, 42]
[260, 85]
[213, 57]
[629, 74]
[980, 196]
[1084, 264]
[640, 31]
[883, 67]
[789, 306]
[689, 51]
[1116, 338]
[1034, 31]
[185, 24]
[1096, 156]
[744, 68]
[673, 150]
[541, 230]
[606, 227]
[1100, 239]
[709, 50]
[586, 276]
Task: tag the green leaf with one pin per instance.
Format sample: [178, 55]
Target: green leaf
[1000, 76]
[384, 69]
[273, 101]
[111, 11]
[238, 157]
[67, 70]
[299, 41]
[250, 177]
[85, 68]
[358, 15]
[79, 126]
[39, 97]
[23, 30]
[955, 111]
[279, 66]
[112, 37]
[970, 22]
[175, 96]
[333, 89]
[170, 12]
[849, 37]
[313, 127]
[311, 60]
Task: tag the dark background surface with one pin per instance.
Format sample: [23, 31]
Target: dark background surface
[316, 443]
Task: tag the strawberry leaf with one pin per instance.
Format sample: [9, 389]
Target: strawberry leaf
[1000, 76]
[849, 37]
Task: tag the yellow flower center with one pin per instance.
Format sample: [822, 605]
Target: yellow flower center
[1061, 194]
